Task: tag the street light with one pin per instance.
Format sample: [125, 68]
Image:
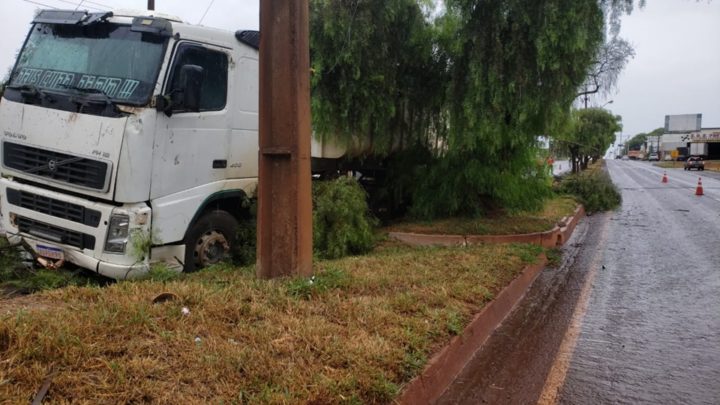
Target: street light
[609, 102]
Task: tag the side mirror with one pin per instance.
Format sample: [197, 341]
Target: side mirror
[191, 78]
[164, 104]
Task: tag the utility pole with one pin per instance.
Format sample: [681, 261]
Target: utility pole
[151, 5]
[284, 239]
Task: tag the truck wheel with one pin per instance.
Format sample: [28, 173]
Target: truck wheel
[210, 240]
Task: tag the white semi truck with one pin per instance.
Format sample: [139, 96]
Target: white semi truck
[129, 139]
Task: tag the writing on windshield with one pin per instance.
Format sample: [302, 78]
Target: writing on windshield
[105, 57]
[114, 87]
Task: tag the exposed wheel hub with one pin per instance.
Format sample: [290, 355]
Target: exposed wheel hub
[211, 248]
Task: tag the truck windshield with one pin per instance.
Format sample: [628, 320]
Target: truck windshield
[101, 58]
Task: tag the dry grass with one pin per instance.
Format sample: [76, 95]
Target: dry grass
[713, 165]
[363, 328]
[497, 224]
[669, 165]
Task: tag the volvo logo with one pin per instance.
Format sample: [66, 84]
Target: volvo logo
[52, 165]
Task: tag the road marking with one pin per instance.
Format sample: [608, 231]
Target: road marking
[558, 373]
[691, 184]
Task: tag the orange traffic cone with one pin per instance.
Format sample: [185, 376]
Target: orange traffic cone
[665, 179]
[699, 189]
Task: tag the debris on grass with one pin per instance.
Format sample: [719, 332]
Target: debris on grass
[164, 297]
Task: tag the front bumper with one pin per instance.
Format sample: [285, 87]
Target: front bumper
[74, 225]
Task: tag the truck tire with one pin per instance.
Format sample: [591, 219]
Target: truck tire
[210, 240]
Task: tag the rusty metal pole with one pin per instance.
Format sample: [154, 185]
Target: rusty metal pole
[284, 239]
[151, 5]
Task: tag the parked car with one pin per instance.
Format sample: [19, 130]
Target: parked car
[694, 162]
[668, 157]
[681, 158]
[625, 157]
[653, 157]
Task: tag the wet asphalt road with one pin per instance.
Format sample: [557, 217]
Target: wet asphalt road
[651, 333]
[631, 316]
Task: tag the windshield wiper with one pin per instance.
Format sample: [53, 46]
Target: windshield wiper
[85, 97]
[93, 95]
[30, 91]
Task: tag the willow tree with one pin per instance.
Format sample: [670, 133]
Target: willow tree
[516, 67]
[605, 70]
[378, 78]
[615, 9]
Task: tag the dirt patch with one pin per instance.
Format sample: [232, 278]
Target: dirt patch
[12, 303]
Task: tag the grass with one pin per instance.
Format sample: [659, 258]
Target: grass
[17, 278]
[497, 224]
[355, 333]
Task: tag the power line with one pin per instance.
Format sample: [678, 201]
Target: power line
[78, 5]
[85, 2]
[99, 4]
[206, 11]
[39, 4]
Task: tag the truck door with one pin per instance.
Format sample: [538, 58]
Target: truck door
[192, 148]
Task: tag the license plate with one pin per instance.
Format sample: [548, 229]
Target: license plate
[50, 252]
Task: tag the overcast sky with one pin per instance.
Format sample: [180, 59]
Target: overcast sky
[676, 69]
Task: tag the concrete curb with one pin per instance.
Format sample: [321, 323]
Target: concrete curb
[443, 368]
[552, 238]
[446, 365]
[567, 230]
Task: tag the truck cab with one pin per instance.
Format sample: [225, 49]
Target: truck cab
[128, 139]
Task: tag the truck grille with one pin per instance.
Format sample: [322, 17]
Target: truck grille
[57, 166]
[53, 207]
[55, 234]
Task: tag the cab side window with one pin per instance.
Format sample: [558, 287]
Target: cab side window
[213, 96]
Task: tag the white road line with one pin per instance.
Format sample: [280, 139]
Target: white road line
[690, 184]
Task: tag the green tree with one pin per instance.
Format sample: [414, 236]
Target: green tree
[378, 78]
[588, 135]
[464, 96]
[615, 9]
[637, 141]
[515, 69]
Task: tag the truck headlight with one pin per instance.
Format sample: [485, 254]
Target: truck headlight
[118, 232]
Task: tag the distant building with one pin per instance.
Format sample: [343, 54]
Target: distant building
[685, 136]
